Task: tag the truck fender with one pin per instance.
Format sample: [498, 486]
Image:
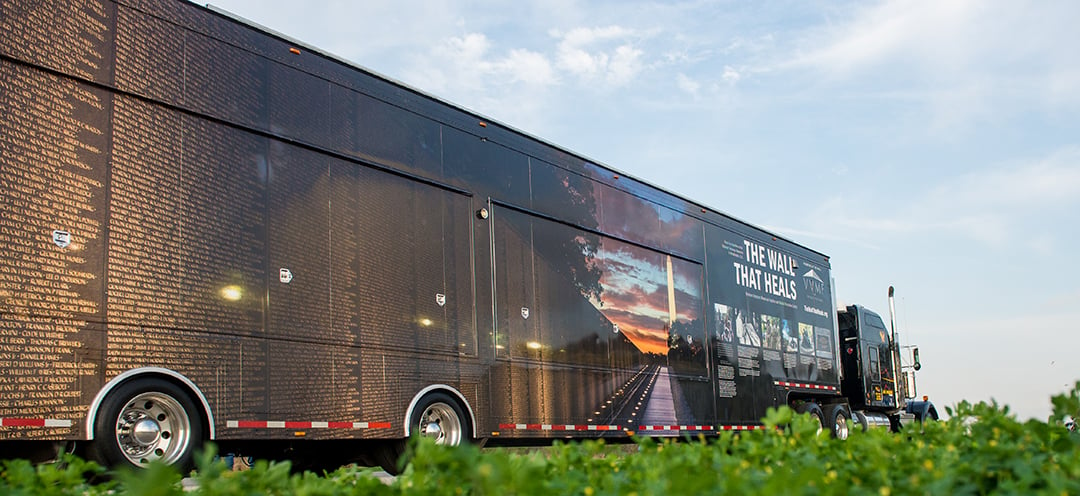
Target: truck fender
[923, 410]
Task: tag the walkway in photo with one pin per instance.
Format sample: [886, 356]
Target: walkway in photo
[660, 410]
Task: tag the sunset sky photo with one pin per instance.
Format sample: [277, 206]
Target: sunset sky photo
[636, 294]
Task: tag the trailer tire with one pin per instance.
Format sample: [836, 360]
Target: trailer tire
[147, 420]
[388, 455]
[861, 420]
[815, 413]
[437, 416]
[837, 417]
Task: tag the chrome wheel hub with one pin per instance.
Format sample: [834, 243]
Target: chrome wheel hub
[153, 427]
[841, 428]
[441, 423]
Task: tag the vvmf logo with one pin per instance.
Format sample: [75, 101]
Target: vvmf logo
[813, 284]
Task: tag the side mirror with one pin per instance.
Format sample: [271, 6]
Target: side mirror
[915, 355]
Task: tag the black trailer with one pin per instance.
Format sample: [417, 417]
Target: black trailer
[213, 232]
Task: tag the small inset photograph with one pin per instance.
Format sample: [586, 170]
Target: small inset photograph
[824, 342]
[725, 323]
[770, 330]
[749, 335]
[791, 337]
[806, 338]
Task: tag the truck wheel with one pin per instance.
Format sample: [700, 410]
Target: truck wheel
[861, 420]
[837, 416]
[147, 420]
[815, 413]
[438, 416]
[388, 455]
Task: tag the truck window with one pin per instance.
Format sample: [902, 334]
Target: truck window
[873, 320]
[875, 369]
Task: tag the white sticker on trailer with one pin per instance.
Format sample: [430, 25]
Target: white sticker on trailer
[61, 238]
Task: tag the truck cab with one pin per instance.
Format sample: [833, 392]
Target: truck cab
[869, 381]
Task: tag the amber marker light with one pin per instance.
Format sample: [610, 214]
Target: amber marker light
[294, 51]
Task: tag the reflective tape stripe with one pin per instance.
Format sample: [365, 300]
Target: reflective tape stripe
[675, 428]
[558, 427]
[805, 386]
[272, 424]
[34, 422]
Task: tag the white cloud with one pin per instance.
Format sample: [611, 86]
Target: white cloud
[529, 67]
[1039, 183]
[472, 63]
[687, 85]
[471, 47]
[987, 205]
[588, 53]
[730, 76]
[625, 64]
[923, 33]
[955, 63]
[587, 36]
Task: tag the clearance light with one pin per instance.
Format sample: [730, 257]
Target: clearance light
[533, 345]
[232, 293]
[426, 322]
[294, 51]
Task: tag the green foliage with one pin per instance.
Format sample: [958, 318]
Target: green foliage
[980, 449]
[68, 476]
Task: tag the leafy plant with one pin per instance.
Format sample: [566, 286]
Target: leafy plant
[980, 449]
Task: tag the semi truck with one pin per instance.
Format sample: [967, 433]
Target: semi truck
[212, 232]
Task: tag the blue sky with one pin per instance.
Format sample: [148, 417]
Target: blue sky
[929, 144]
